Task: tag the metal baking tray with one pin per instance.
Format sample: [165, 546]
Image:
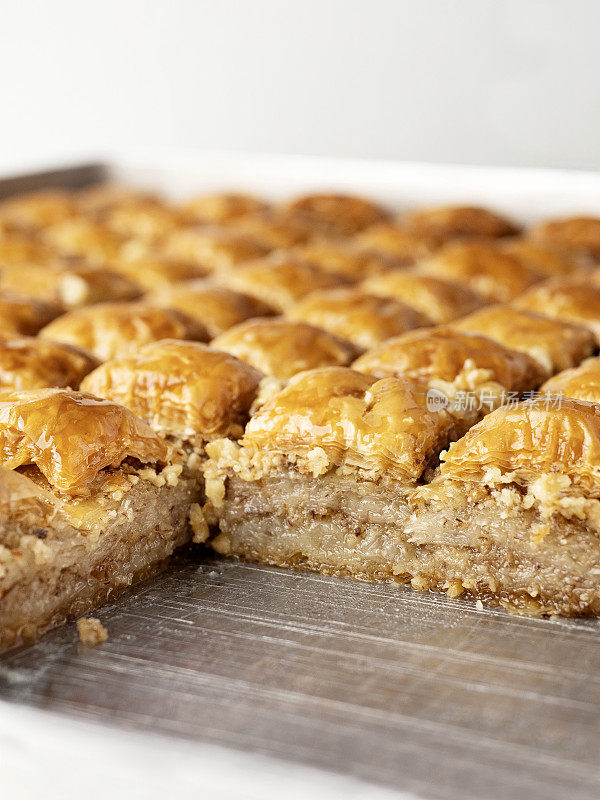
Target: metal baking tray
[237, 680]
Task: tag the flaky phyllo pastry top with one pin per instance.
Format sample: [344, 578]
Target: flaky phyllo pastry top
[551, 435]
[27, 362]
[70, 436]
[444, 353]
[282, 348]
[115, 329]
[335, 417]
[183, 389]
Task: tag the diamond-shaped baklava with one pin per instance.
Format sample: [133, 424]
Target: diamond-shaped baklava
[459, 222]
[282, 348]
[322, 476]
[437, 299]
[281, 279]
[565, 300]
[486, 268]
[513, 516]
[337, 214]
[111, 329]
[24, 315]
[215, 307]
[28, 362]
[90, 503]
[555, 344]
[365, 319]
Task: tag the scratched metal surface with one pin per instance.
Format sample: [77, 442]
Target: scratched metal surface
[402, 689]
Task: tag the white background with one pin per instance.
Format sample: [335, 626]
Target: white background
[471, 81]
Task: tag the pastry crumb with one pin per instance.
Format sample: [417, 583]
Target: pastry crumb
[199, 524]
[91, 631]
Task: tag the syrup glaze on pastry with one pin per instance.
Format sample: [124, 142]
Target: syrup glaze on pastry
[555, 344]
[37, 210]
[32, 363]
[483, 267]
[518, 443]
[443, 354]
[281, 280]
[212, 248]
[337, 214]
[71, 436]
[184, 389]
[547, 259]
[436, 299]
[397, 242]
[343, 257]
[117, 329]
[215, 307]
[334, 417]
[362, 318]
[84, 238]
[219, 208]
[282, 348]
[68, 284]
[274, 230]
[22, 314]
[581, 234]
[154, 274]
[582, 382]
[565, 300]
[143, 219]
[22, 249]
[459, 221]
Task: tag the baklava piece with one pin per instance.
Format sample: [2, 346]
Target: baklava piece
[565, 300]
[117, 329]
[281, 348]
[84, 238]
[146, 220]
[38, 210]
[217, 308]
[582, 382]
[212, 248]
[580, 234]
[397, 242]
[28, 362]
[22, 249]
[452, 222]
[362, 318]
[153, 274]
[466, 374]
[217, 209]
[185, 391]
[548, 260]
[445, 354]
[68, 284]
[274, 230]
[483, 267]
[555, 345]
[99, 200]
[24, 315]
[322, 476]
[345, 258]
[513, 515]
[337, 214]
[281, 280]
[436, 299]
[90, 503]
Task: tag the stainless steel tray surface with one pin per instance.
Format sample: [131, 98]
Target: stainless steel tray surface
[402, 689]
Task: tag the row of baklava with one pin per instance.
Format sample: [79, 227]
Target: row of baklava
[412, 331]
